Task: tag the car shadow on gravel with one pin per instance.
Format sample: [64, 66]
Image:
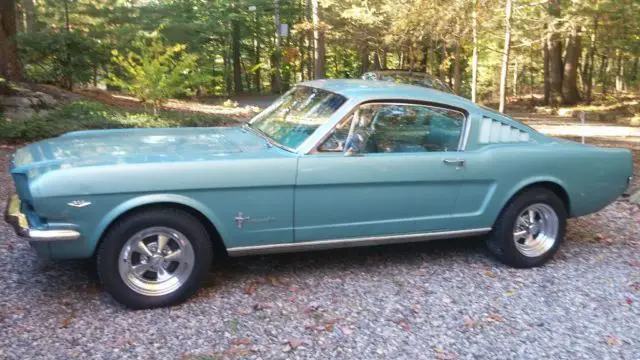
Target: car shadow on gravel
[228, 271]
[61, 277]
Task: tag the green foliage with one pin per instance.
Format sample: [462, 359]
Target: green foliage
[53, 57]
[421, 35]
[89, 115]
[155, 72]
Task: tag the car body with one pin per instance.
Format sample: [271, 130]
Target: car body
[269, 187]
[408, 77]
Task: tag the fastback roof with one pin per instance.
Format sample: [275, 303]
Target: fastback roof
[364, 90]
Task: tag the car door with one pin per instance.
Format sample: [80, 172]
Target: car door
[400, 174]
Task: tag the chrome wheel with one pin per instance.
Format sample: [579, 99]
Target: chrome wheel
[156, 261]
[536, 230]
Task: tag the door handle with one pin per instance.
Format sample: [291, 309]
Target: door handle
[457, 162]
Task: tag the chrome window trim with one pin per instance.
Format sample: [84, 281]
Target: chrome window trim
[462, 142]
[351, 242]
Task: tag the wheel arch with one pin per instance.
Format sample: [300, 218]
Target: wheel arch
[552, 185]
[193, 207]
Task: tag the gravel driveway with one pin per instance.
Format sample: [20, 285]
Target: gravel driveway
[440, 300]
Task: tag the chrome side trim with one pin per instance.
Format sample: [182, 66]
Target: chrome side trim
[18, 220]
[351, 242]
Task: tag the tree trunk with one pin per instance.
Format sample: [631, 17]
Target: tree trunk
[591, 59]
[556, 67]
[377, 64]
[505, 56]
[634, 69]
[318, 42]
[474, 58]
[237, 65]
[30, 15]
[604, 64]
[570, 94]
[515, 77]
[619, 72]
[10, 67]
[546, 70]
[68, 70]
[257, 76]
[384, 59]
[442, 66]
[303, 56]
[431, 58]
[456, 69]
[364, 59]
[275, 58]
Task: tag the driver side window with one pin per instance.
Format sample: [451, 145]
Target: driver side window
[397, 128]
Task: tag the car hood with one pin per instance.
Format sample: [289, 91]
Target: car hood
[132, 146]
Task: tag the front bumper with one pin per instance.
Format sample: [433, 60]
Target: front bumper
[19, 221]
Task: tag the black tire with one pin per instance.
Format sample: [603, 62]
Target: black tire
[501, 240]
[118, 235]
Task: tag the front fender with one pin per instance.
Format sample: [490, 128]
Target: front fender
[139, 201]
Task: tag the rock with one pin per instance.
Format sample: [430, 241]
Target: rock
[566, 112]
[608, 117]
[14, 101]
[46, 99]
[43, 113]
[635, 198]
[19, 113]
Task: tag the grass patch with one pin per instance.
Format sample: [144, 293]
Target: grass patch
[91, 115]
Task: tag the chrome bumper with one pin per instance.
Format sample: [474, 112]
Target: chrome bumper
[15, 217]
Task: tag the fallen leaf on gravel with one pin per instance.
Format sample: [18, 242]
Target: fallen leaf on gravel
[67, 321]
[346, 330]
[244, 311]
[241, 341]
[612, 340]
[311, 308]
[469, 323]
[490, 274]
[294, 343]
[262, 306]
[415, 308]
[443, 355]
[235, 352]
[494, 318]
[560, 255]
[510, 292]
[629, 301]
[404, 324]
[251, 289]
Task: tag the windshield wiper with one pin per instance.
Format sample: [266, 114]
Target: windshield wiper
[270, 141]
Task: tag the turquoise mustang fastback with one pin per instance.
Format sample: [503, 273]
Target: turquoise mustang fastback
[332, 163]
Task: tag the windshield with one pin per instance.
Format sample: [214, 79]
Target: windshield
[297, 114]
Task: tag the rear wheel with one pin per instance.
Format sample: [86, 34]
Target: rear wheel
[154, 258]
[530, 229]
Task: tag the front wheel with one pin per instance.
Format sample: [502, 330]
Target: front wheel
[530, 229]
[154, 258]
